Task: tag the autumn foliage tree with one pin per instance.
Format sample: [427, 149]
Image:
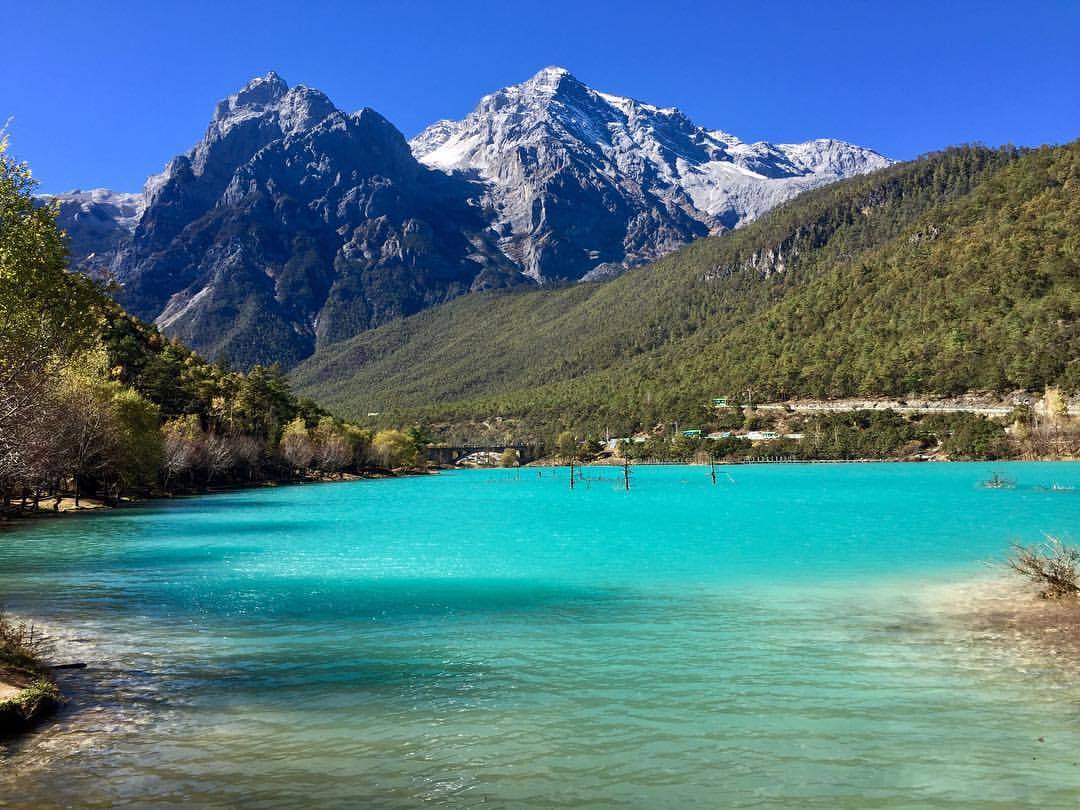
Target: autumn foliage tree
[394, 449]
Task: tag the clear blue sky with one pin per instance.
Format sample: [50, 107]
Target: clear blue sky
[104, 93]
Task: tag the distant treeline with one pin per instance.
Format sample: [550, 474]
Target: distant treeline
[842, 436]
[854, 435]
[93, 401]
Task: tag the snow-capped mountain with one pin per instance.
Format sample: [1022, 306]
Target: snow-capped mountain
[292, 224]
[579, 180]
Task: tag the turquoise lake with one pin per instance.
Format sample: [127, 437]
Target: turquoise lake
[494, 638]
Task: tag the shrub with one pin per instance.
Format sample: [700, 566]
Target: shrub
[21, 647]
[1052, 565]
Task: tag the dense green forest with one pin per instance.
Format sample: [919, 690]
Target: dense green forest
[956, 272]
[93, 401]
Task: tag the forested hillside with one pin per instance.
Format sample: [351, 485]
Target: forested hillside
[956, 272]
[95, 402]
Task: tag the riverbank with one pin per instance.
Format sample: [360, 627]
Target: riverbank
[65, 506]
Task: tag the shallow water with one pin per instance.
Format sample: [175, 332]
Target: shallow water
[493, 637]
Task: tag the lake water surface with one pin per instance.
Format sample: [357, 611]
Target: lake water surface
[492, 637]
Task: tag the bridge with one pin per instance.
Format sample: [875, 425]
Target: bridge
[449, 455]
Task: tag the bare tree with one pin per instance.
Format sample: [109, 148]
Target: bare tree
[182, 448]
[219, 455]
[248, 452]
[334, 453]
[296, 446]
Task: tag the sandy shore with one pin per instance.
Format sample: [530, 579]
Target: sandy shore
[1007, 612]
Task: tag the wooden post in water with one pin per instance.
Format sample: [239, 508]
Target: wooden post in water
[571, 472]
[626, 473]
[712, 468]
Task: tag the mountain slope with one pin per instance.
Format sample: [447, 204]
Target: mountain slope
[584, 183]
[955, 272]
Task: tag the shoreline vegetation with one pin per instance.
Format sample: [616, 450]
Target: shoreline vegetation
[194, 461]
[51, 508]
[65, 505]
[28, 690]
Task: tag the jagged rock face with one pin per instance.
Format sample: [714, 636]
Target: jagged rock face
[582, 183]
[293, 224]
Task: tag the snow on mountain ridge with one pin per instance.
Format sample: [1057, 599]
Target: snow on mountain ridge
[97, 222]
[127, 206]
[671, 173]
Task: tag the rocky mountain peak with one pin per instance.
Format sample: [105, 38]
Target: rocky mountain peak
[269, 98]
[560, 85]
[262, 111]
[630, 180]
[550, 80]
[290, 224]
[255, 96]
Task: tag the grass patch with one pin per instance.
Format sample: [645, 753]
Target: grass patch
[40, 696]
